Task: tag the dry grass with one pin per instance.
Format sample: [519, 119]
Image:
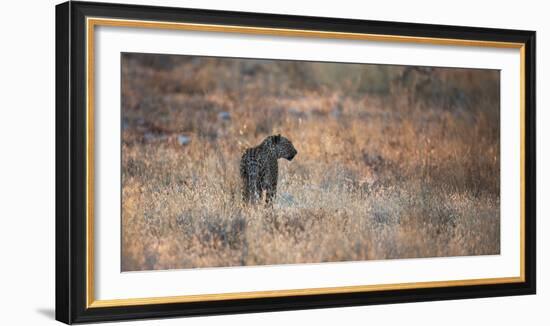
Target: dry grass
[392, 163]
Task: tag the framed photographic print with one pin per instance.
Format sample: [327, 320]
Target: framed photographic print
[212, 162]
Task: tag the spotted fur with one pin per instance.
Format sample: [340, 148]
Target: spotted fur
[259, 168]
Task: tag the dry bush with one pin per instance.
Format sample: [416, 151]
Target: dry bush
[391, 163]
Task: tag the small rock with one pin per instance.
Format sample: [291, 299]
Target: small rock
[224, 116]
[184, 140]
[336, 113]
[125, 124]
[149, 137]
[287, 199]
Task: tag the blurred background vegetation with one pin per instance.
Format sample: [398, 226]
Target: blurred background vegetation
[393, 161]
[448, 88]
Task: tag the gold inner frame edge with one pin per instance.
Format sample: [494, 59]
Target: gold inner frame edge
[91, 22]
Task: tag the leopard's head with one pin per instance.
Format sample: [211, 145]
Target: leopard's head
[283, 147]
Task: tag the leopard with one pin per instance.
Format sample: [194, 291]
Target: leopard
[259, 168]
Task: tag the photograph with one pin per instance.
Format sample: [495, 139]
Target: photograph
[250, 161]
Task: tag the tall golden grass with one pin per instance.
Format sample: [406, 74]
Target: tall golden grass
[393, 162]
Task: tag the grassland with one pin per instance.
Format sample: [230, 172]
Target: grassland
[393, 162]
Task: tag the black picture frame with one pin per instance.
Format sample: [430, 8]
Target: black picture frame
[71, 158]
